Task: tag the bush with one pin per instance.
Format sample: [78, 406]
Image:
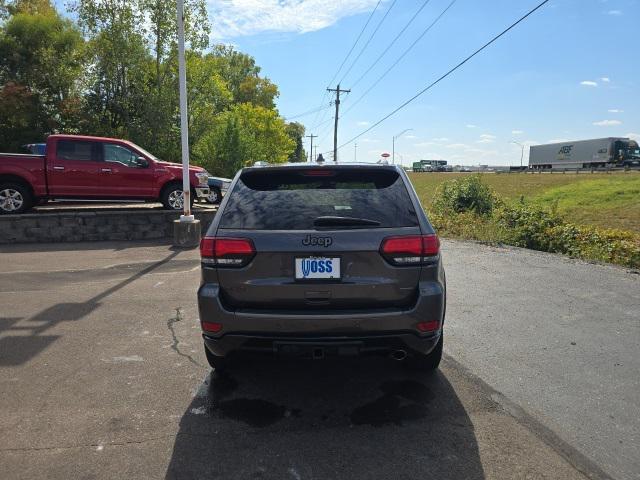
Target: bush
[607, 245]
[466, 194]
[468, 209]
[527, 226]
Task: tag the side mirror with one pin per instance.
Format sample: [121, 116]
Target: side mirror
[142, 162]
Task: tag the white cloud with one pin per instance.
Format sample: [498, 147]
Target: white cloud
[607, 123]
[440, 140]
[369, 140]
[236, 18]
[425, 144]
[486, 138]
[605, 79]
[558, 140]
[615, 110]
[589, 83]
[363, 123]
[614, 12]
[472, 126]
[516, 132]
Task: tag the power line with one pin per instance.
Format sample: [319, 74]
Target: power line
[357, 40]
[364, 47]
[435, 82]
[324, 96]
[415, 15]
[404, 54]
[308, 112]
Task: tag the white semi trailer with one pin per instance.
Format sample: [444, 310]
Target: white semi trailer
[600, 152]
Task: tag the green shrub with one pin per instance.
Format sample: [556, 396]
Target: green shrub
[465, 194]
[606, 245]
[468, 209]
[526, 225]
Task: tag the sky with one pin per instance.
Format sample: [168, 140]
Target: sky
[568, 72]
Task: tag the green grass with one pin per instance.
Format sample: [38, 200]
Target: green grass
[604, 200]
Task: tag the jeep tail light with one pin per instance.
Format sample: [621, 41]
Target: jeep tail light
[226, 252]
[410, 249]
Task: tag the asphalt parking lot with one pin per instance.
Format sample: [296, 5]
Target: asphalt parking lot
[102, 375]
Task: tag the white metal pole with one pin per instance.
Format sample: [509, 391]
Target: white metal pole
[393, 150]
[184, 123]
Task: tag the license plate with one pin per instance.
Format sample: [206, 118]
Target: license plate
[317, 267]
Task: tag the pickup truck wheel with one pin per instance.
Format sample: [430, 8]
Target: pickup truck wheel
[172, 197]
[428, 362]
[14, 198]
[215, 195]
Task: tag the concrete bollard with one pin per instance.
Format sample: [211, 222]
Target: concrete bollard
[186, 234]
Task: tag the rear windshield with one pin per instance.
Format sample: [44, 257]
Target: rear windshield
[294, 200]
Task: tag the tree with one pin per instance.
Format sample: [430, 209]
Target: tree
[243, 135]
[40, 63]
[117, 81]
[33, 7]
[243, 77]
[296, 131]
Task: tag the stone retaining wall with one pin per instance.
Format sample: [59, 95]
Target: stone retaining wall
[80, 226]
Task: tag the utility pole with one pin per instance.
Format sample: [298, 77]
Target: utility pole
[355, 152]
[312, 136]
[335, 125]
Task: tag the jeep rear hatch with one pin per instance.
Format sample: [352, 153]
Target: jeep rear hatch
[312, 240]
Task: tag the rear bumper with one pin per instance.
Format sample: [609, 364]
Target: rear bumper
[336, 332]
[309, 347]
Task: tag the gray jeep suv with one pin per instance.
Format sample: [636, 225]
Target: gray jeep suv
[316, 260]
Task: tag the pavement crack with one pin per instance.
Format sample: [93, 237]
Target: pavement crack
[174, 345]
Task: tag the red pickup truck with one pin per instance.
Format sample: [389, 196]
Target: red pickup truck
[93, 168]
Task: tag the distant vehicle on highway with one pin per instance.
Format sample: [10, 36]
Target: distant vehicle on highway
[218, 187]
[423, 166]
[600, 152]
[315, 261]
[420, 167]
[93, 168]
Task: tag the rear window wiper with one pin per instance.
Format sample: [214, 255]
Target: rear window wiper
[329, 221]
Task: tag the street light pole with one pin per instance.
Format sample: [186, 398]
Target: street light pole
[521, 151]
[355, 153]
[393, 144]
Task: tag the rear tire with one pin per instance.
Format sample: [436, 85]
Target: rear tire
[219, 364]
[428, 362]
[15, 198]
